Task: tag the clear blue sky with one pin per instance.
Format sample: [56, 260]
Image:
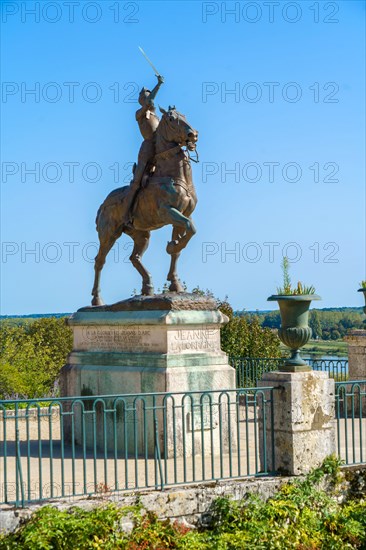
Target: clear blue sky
[293, 133]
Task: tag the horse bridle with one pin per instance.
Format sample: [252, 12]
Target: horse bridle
[187, 151]
[173, 150]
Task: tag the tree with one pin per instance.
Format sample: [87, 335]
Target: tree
[314, 324]
[244, 336]
[31, 356]
[272, 320]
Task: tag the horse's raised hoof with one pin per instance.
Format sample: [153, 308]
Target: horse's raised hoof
[147, 290]
[97, 301]
[175, 286]
[172, 247]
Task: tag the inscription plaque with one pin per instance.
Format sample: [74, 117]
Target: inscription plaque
[111, 338]
[190, 340]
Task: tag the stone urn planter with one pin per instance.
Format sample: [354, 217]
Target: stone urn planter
[295, 331]
[364, 294]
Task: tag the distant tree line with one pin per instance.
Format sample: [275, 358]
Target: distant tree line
[327, 324]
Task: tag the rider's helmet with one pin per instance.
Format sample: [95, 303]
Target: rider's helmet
[144, 96]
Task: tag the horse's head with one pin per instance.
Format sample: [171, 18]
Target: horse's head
[177, 129]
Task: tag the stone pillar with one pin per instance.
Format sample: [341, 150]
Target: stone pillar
[356, 340]
[166, 343]
[303, 424]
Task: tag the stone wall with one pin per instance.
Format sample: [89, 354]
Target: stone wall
[188, 505]
[185, 504]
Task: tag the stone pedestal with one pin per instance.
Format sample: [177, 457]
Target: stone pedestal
[166, 343]
[356, 340]
[355, 401]
[303, 428]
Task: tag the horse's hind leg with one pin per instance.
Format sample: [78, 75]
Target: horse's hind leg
[175, 284]
[105, 244]
[141, 242]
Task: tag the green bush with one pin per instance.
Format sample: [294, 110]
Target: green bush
[245, 337]
[31, 356]
[300, 516]
[52, 529]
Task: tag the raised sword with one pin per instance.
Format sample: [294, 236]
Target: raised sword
[149, 62]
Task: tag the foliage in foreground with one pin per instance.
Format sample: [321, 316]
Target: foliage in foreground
[300, 516]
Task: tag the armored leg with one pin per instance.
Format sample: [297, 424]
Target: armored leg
[132, 192]
[146, 153]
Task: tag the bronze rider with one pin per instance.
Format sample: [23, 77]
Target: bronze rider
[148, 122]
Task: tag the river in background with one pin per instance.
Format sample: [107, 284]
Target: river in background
[315, 357]
[336, 365]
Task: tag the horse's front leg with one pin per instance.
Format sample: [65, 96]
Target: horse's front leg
[106, 241]
[141, 242]
[175, 284]
[184, 224]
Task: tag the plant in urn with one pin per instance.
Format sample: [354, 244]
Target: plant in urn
[294, 306]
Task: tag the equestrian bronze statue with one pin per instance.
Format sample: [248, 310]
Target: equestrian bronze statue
[161, 193]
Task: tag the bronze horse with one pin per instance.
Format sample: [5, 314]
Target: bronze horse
[169, 198]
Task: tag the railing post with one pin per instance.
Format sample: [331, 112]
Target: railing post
[356, 340]
[303, 429]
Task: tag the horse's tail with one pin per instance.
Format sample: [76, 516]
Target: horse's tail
[113, 199]
[96, 219]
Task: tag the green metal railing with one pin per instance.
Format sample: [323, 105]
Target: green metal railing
[251, 369]
[96, 445]
[337, 368]
[350, 402]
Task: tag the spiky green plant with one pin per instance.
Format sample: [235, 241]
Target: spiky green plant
[286, 289]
